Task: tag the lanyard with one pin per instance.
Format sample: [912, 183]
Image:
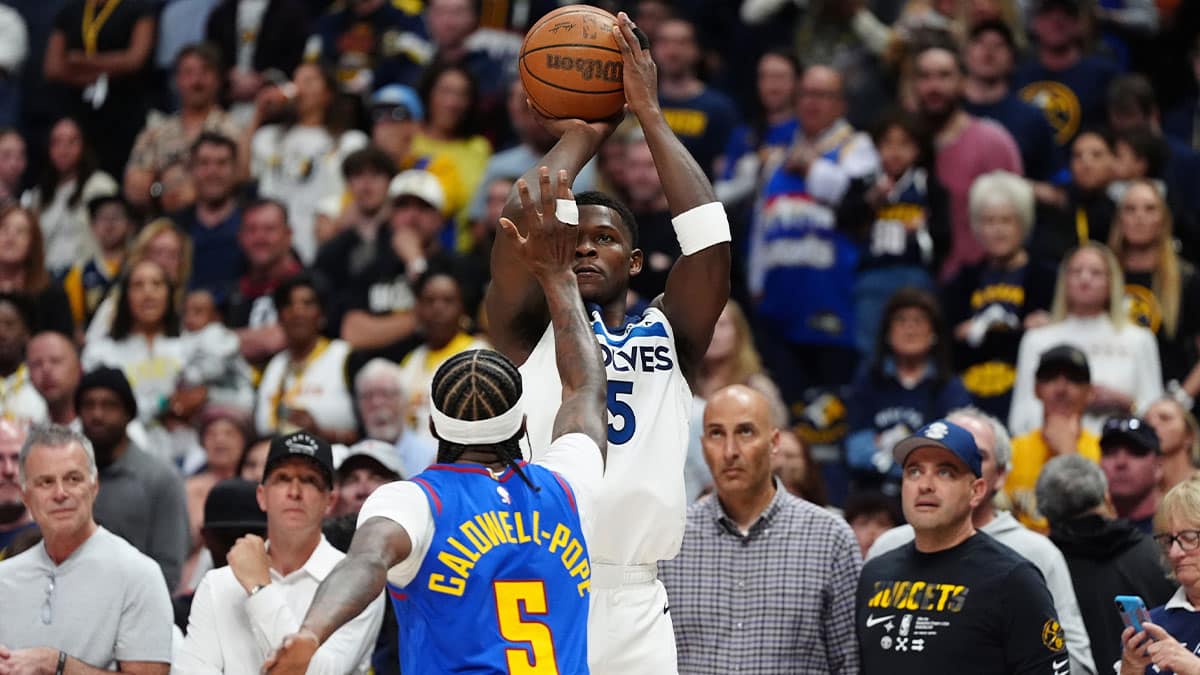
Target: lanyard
[1081, 225]
[294, 374]
[92, 23]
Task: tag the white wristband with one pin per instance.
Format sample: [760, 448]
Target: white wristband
[701, 227]
[566, 211]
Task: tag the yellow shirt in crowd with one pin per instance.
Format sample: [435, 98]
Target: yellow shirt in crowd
[1029, 454]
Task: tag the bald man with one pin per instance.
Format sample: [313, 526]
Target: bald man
[792, 613]
[14, 517]
[55, 371]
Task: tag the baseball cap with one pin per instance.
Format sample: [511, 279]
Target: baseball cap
[946, 435]
[233, 504]
[398, 103]
[95, 203]
[112, 379]
[345, 459]
[1065, 360]
[1131, 433]
[420, 184]
[300, 444]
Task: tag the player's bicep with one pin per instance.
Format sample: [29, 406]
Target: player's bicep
[696, 293]
[394, 522]
[583, 412]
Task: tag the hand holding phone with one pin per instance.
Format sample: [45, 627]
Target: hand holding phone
[1133, 611]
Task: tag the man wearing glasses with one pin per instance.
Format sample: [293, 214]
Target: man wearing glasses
[1129, 455]
[83, 600]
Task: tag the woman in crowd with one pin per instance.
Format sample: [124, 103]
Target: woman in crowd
[1179, 439]
[296, 143]
[12, 165]
[70, 180]
[793, 463]
[224, 433]
[100, 51]
[1088, 313]
[1159, 285]
[991, 304]
[451, 98]
[171, 376]
[443, 319]
[304, 387]
[764, 141]
[165, 244]
[23, 271]
[732, 359]
[1083, 210]
[908, 382]
[1159, 649]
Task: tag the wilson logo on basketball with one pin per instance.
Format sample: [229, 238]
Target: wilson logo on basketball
[588, 69]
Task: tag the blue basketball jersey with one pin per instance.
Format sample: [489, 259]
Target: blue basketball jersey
[504, 586]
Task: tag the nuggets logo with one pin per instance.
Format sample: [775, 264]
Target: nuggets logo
[1060, 106]
[1143, 308]
[1053, 636]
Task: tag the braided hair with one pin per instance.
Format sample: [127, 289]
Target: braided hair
[475, 385]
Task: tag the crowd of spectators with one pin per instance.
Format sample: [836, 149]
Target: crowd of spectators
[222, 221]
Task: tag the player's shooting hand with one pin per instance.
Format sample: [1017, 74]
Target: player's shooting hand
[597, 132]
[548, 247]
[293, 654]
[640, 72]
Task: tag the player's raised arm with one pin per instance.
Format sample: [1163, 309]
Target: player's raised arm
[354, 583]
[698, 286]
[516, 306]
[547, 250]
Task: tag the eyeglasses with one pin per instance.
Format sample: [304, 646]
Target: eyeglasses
[48, 606]
[1189, 540]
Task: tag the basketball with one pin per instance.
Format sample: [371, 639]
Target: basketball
[571, 64]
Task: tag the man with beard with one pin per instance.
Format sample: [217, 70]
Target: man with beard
[14, 517]
[18, 398]
[54, 370]
[141, 496]
[967, 146]
[382, 406]
[212, 222]
[960, 581]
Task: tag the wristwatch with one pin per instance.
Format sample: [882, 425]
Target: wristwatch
[257, 588]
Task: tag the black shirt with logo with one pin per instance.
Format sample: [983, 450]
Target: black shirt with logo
[1177, 352]
[977, 608]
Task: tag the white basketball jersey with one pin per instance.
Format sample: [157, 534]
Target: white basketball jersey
[640, 508]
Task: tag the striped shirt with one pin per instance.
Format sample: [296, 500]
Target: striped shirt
[776, 599]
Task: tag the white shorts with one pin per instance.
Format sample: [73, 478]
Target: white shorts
[629, 625]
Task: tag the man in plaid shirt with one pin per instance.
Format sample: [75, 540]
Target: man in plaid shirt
[760, 584]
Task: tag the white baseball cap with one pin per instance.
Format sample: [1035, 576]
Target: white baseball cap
[420, 184]
[381, 451]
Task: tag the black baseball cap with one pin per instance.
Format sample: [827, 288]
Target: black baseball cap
[233, 504]
[1071, 7]
[301, 444]
[1131, 433]
[1064, 360]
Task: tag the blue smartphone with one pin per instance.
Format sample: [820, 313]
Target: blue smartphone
[1133, 611]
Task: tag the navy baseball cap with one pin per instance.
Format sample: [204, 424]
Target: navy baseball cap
[1131, 433]
[946, 435]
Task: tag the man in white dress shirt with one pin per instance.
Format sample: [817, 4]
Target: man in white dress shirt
[241, 612]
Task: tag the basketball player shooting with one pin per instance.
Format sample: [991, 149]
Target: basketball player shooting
[483, 555]
[640, 506]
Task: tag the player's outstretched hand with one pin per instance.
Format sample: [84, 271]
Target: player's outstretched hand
[640, 72]
[293, 655]
[548, 246]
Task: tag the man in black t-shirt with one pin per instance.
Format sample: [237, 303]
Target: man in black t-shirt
[954, 600]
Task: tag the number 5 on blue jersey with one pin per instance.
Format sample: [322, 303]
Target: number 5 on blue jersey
[511, 597]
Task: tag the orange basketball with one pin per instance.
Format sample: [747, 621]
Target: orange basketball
[571, 64]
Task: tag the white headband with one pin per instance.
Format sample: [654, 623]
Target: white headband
[479, 432]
